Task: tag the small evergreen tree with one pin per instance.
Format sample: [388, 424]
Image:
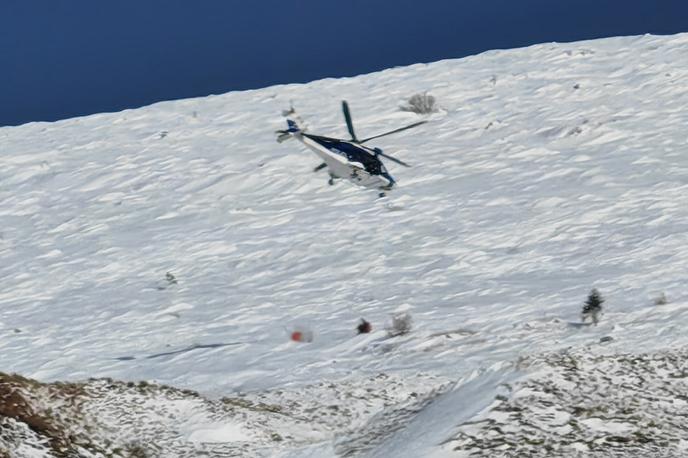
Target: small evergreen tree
[592, 307]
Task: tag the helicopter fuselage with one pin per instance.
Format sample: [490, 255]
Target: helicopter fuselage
[348, 160]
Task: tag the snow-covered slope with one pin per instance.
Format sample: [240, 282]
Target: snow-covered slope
[549, 170]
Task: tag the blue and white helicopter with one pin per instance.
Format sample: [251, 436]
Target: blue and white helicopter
[347, 159]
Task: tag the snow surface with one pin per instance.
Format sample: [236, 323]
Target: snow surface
[548, 171]
[226, 432]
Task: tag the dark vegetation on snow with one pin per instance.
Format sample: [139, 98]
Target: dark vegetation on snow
[592, 307]
[420, 104]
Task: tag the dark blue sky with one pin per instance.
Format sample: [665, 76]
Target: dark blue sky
[65, 58]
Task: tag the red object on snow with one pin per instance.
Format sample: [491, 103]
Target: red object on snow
[297, 336]
[301, 334]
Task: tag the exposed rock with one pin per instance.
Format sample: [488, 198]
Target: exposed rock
[579, 404]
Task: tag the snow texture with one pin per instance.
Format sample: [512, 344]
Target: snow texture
[181, 245]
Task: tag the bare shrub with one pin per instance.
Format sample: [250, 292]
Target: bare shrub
[661, 299]
[420, 104]
[401, 324]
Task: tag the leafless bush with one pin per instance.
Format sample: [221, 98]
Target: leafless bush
[420, 104]
[661, 299]
[401, 324]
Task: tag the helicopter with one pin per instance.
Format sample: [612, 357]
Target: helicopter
[347, 159]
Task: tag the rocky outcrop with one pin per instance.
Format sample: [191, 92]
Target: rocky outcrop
[582, 404]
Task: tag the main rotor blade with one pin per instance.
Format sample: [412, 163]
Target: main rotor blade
[349, 122]
[392, 158]
[393, 131]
